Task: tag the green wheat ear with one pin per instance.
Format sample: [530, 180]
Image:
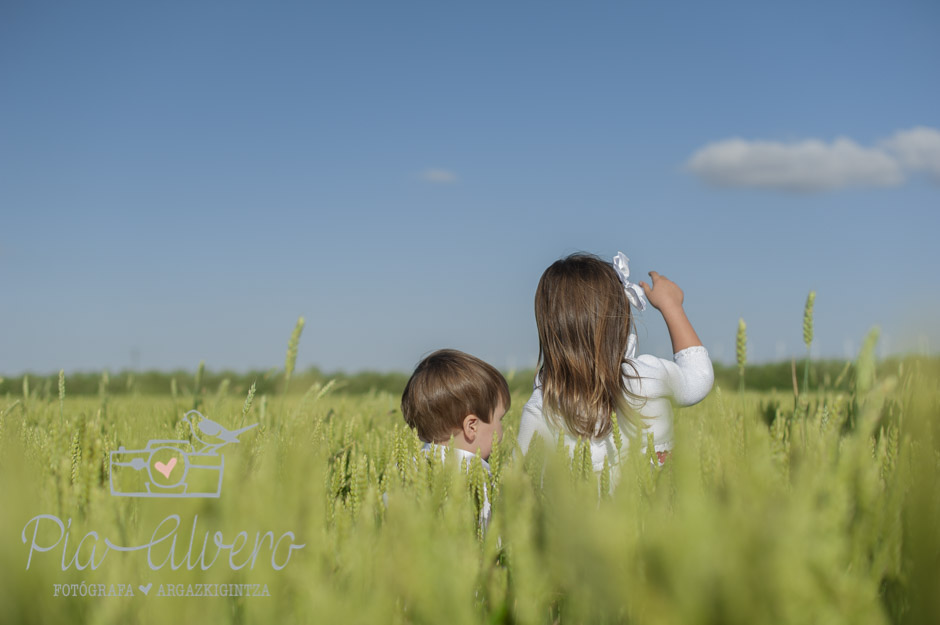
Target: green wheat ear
[618, 438]
[808, 334]
[605, 479]
[742, 350]
[248, 400]
[291, 358]
[61, 392]
[808, 319]
[496, 456]
[587, 464]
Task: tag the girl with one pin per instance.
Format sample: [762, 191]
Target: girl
[588, 367]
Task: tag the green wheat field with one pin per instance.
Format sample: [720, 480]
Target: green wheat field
[821, 507]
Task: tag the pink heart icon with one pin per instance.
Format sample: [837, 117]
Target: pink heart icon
[165, 469]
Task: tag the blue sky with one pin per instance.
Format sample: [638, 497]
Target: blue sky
[179, 182]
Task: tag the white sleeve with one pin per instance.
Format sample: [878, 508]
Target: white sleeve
[532, 423]
[687, 380]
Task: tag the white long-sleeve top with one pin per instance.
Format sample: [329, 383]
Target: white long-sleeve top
[686, 380]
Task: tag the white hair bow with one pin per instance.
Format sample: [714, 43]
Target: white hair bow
[634, 291]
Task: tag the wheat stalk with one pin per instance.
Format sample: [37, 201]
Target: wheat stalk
[200, 372]
[742, 351]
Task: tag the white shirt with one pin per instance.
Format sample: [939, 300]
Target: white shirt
[685, 381]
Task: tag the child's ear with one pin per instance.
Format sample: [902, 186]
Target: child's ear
[470, 424]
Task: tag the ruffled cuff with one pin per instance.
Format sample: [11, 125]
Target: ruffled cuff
[690, 352]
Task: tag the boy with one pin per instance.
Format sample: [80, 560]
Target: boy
[453, 394]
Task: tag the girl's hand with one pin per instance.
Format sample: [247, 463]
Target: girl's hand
[667, 297]
[664, 294]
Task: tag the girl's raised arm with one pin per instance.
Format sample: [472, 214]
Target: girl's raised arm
[666, 296]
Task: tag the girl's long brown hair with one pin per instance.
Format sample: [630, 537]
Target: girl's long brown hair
[584, 323]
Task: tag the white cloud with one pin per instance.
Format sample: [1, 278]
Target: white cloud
[805, 166]
[438, 176]
[917, 149]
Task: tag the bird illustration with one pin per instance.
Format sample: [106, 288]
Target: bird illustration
[202, 426]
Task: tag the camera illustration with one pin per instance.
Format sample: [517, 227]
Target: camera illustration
[175, 468]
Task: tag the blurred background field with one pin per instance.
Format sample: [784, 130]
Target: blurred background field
[772, 509]
[761, 377]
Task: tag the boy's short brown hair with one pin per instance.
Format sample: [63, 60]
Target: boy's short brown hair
[447, 386]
